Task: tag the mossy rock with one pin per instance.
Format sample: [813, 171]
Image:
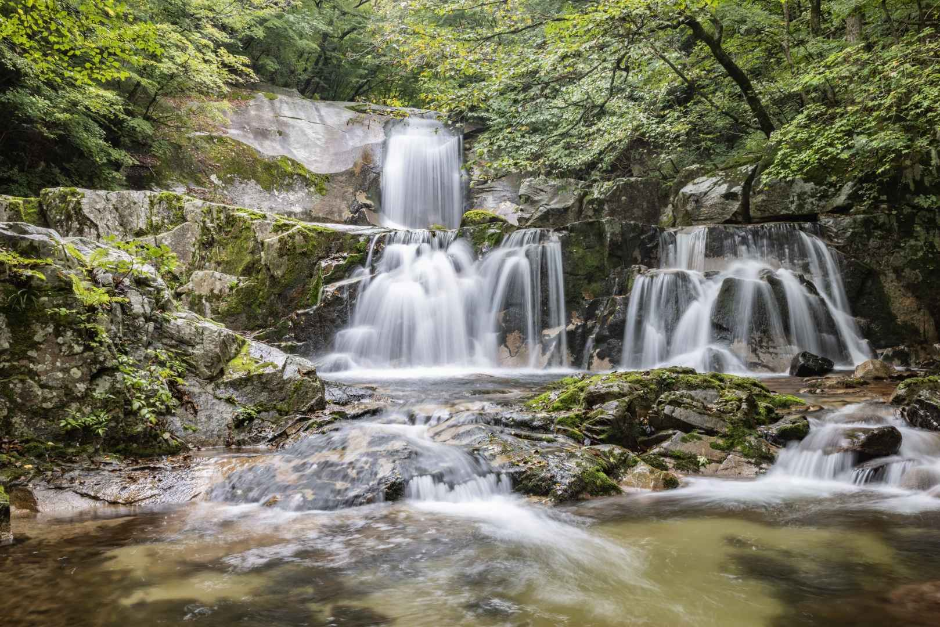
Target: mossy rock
[476, 217]
[16, 209]
[908, 390]
[213, 162]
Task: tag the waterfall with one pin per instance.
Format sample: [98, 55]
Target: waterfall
[421, 184]
[428, 301]
[739, 299]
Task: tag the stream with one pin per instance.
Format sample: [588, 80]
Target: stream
[805, 544]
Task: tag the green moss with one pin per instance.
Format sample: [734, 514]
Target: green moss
[670, 481]
[22, 210]
[209, 158]
[245, 364]
[907, 390]
[654, 461]
[794, 431]
[269, 95]
[597, 483]
[477, 217]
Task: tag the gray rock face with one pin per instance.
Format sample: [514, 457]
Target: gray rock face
[789, 429]
[331, 138]
[550, 202]
[806, 364]
[124, 214]
[709, 200]
[635, 199]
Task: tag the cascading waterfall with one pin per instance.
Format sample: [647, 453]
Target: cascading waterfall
[421, 183]
[823, 455]
[429, 302]
[739, 299]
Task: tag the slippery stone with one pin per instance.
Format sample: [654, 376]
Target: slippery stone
[923, 412]
[878, 442]
[806, 364]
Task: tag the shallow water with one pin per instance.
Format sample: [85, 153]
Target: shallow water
[779, 550]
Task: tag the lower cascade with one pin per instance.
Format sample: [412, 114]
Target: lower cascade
[429, 301]
[738, 299]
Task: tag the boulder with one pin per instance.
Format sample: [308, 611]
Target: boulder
[872, 443]
[710, 199]
[923, 412]
[551, 202]
[635, 199]
[908, 390]
[16, 209]
[874, 369]
[806, 364]
[692, 445]
[123, 214]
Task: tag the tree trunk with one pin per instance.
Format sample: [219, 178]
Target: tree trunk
[738, 75]
[815, 16]
[853, 26]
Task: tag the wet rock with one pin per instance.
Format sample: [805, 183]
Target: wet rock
[871, 443]
[874, 369]
[6, 531]
[735, 466]
[924, 411]
[789, 429]
[922, 478]
[645, 477]
[806, 364]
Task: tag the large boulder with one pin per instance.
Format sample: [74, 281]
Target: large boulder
[634, 199]
[806, 364]
[874, 369]
[710, 199]
[123, 214]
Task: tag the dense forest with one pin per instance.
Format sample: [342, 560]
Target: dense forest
[825, 90]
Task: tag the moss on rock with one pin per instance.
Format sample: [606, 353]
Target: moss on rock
[476, 217]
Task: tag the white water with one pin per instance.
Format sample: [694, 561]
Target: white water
[421, 184]
[428, 301]
[740, 299]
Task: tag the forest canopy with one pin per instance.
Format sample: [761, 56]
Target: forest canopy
[829, 90]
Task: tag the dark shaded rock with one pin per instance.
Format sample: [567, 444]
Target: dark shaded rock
[807, 364]
[872, 443]
[634, 199]
[908, 390]
[924, 411]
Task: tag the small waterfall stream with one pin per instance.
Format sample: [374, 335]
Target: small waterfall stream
[428, 301]
[421, 183]
[741, 299]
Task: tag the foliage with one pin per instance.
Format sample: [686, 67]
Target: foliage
[604, 88]
[148, 388]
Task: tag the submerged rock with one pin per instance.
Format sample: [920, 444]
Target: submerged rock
[806, 364]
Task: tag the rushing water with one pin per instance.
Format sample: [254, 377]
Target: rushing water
[431, 302]
[421, 183]
[738, 299]
[797, 546]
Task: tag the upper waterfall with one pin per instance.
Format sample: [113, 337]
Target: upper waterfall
[421, 184]
[739, 299]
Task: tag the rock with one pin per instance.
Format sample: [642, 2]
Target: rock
[806, 364]
[15, 209]
[874, 369]
[644, 477]
[735, 466]
[550, 202]
[774, 200]
[689, 411]
[923, 412]
[710, 199]
[634, 199]
[124, 214]
[208, 346]
[694, 446]
[871, 443]
[789, 429]
[6, 531]
[908, 390]
[206, 291]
